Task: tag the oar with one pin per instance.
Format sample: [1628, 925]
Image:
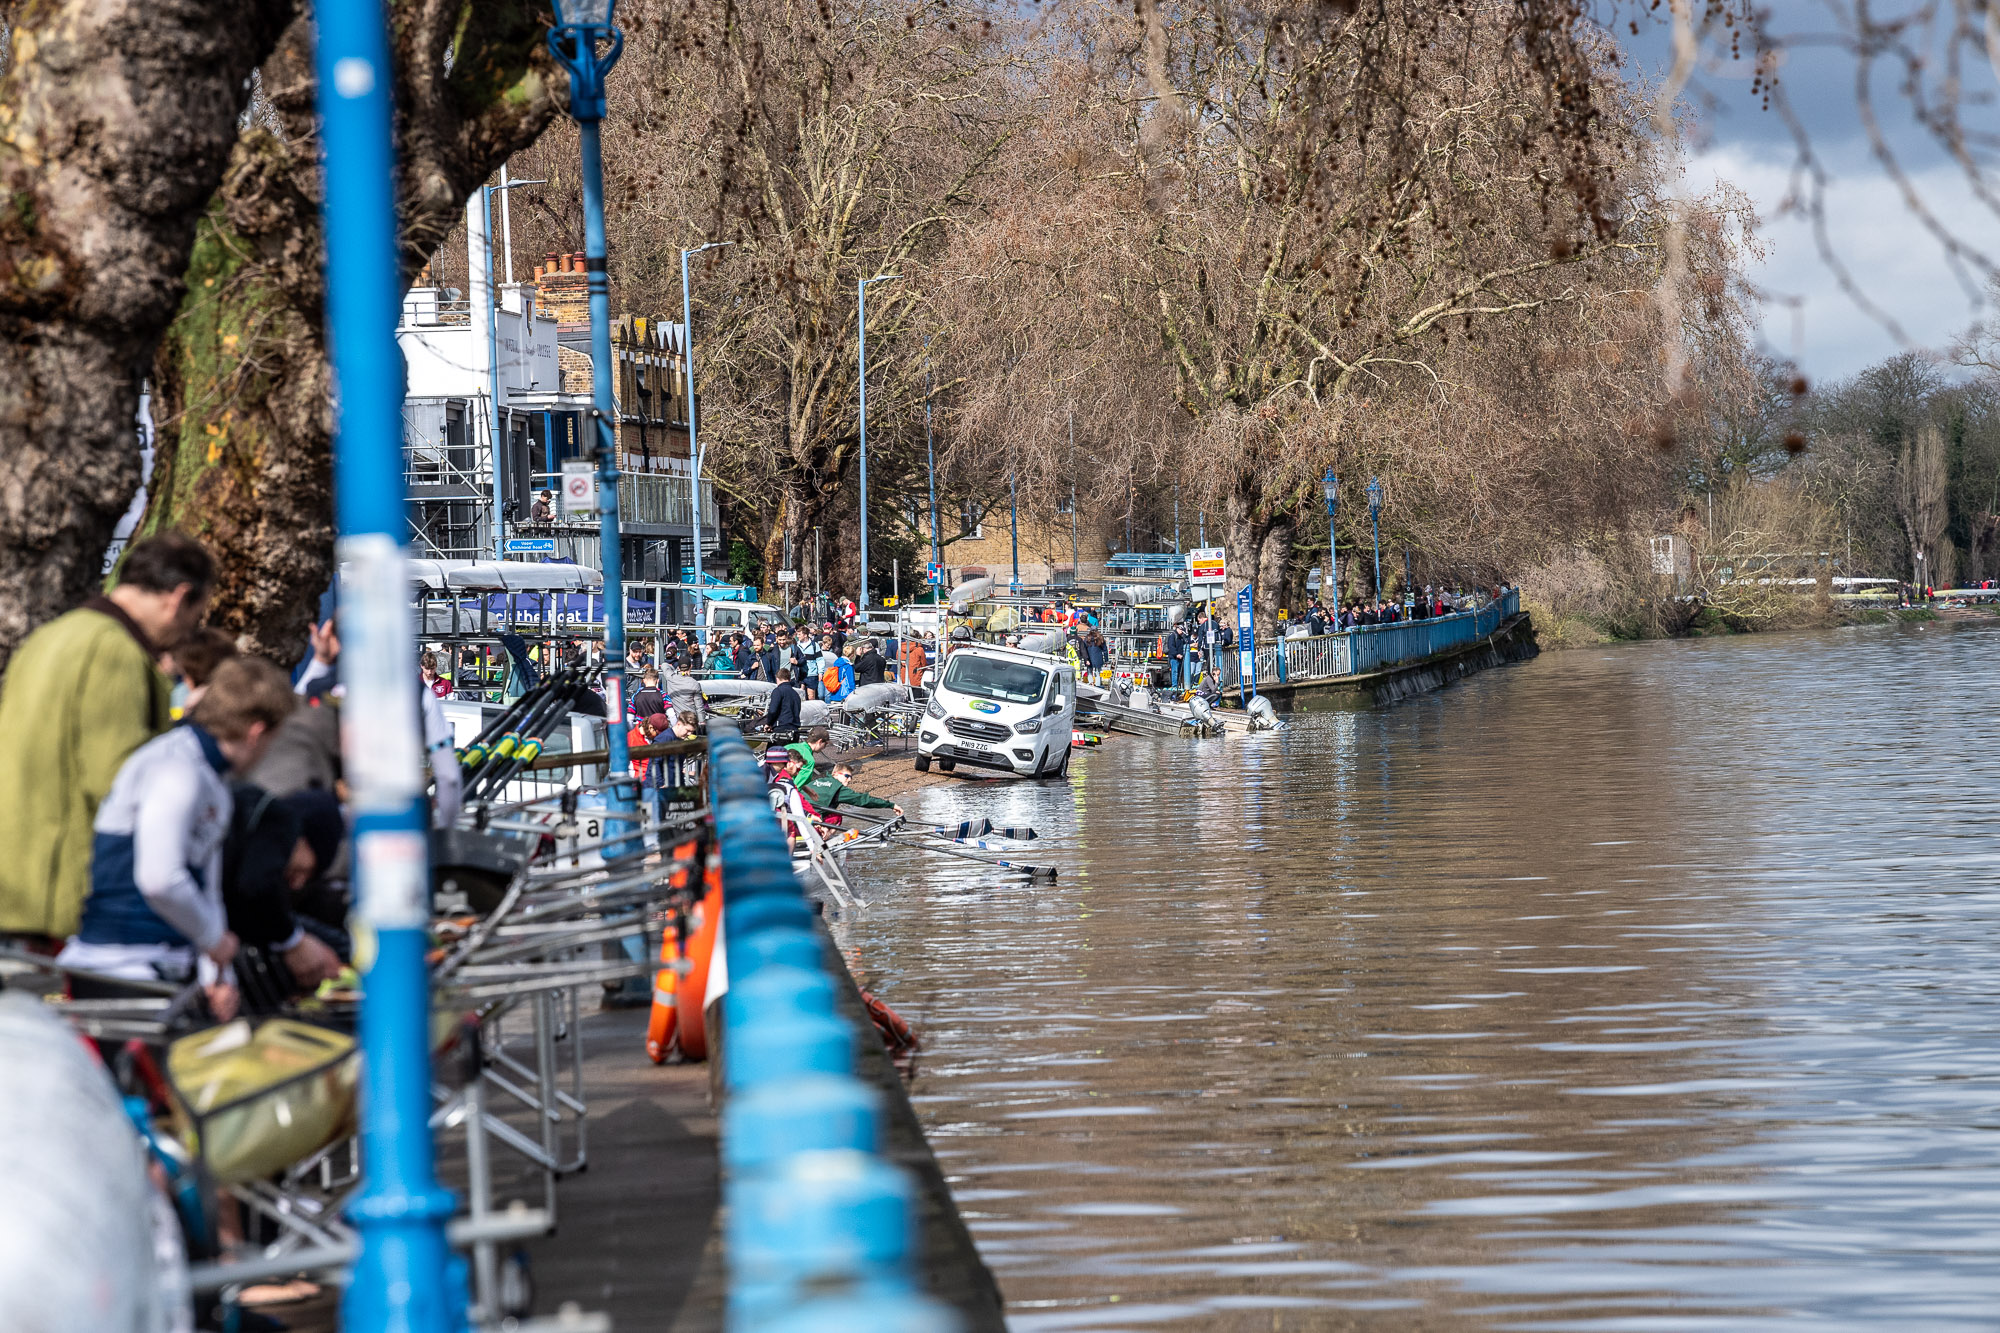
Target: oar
[1034, 872]
[1023, 834]
[971, 828]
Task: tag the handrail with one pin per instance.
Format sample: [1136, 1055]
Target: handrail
[1366, 648]
[815, 1212]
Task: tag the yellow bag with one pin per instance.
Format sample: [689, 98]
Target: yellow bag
[251, 1102]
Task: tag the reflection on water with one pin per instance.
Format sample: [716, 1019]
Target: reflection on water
[1643, 988]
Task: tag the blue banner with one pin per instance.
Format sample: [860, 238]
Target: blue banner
[1246, 642]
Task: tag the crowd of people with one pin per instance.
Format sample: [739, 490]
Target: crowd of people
[173, 810]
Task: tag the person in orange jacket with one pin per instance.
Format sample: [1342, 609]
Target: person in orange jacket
[645, 733]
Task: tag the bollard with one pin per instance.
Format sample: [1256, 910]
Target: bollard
[812, 1113]
[770, 990]
[769, 1047]
[762, 912]
[813, 1222]
[773, 946]
[884, 1313]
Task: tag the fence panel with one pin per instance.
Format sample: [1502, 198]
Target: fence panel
[1370, 647]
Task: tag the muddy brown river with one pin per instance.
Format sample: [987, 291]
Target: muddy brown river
[1652, 987]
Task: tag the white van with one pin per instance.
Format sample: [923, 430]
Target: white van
[750, 617]
[1000, 708]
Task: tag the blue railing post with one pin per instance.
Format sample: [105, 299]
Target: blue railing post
[403, 1279]
[821, 1231]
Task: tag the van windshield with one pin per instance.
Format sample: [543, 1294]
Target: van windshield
[994, 678]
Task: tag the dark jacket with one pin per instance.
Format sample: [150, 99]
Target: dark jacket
[647, 701]
[1176, 643]
[781, 711]
[745, 661]
[769, 659]
[871, 668]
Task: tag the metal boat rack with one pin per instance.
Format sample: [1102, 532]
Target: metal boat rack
[507, 1003]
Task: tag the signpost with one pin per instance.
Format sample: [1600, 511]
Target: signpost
[579, 487]
[531, 546]
[1246, 644]
[1207, 568]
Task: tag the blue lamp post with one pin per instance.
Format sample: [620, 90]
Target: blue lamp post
[1375, 520]
[586, 42]
[930, 457]
[694, 452]
[1329, 486]
[861, 292]
[402, 1278]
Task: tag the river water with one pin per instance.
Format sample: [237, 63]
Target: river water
[1643, 988]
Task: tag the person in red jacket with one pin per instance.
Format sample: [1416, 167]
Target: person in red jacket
[645, 733]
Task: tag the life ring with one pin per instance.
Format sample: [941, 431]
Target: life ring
[897, 1035]
[692, 998]
[662, 1023]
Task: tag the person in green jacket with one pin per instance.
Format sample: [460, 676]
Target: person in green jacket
[80, 695]
[829, 790]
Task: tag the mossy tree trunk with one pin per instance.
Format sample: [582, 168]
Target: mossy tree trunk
[116, 121]
[244, 405]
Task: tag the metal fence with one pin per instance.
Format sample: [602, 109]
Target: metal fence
[1369, 647]
[644, 497]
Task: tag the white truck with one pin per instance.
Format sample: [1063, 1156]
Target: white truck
[1001, 708]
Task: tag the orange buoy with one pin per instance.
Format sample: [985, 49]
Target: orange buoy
[896, 1034]
[663, 1022]
[691, 998]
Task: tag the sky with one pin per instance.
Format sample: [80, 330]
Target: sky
[1893, 260]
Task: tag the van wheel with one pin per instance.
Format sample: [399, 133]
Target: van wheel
[948, 765]
[923, 763]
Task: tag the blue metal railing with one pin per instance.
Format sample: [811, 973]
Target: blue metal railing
[1371, 647]
[821, 1229]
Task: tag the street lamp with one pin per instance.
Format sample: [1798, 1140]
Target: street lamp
[694, 454]
[401, 1277]
[930, 457]
[1329, 486]
[582, 26]
[1375, 519]
[861, 293]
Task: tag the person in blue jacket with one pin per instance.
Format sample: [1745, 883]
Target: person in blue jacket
[831, 659]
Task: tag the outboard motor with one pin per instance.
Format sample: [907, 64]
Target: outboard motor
[1263, 717]
[1142, 698]
[1203, 714]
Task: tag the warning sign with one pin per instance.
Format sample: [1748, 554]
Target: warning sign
[579, 487]
[1207, 568]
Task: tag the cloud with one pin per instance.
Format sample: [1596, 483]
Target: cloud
[1894, 261]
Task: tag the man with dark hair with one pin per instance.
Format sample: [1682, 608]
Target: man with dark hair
[781, 710]
[81, 694]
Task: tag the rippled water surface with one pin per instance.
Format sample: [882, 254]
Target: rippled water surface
[1652, 987]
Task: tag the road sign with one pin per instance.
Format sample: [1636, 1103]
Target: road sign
[1207, 568]
[1312, 577]
[934, 573]
[1246, 644]
[531, 546]
[788, 576]
[579, 492]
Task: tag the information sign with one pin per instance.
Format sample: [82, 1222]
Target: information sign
[934, 573]
[531, 546]
[788, 576]
[1207, 568]
[1246, 643]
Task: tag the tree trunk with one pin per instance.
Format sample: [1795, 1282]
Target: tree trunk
[245, 387]
[116, 121]
[1259, 546]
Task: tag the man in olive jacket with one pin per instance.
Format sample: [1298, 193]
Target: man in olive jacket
[81, 693]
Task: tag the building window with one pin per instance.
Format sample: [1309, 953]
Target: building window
[970, 516]
[1064, 504]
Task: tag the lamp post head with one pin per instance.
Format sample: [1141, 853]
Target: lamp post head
[580, 25]
[585, 13]
[1329, 486]
[880, 277]
[1374, 496]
